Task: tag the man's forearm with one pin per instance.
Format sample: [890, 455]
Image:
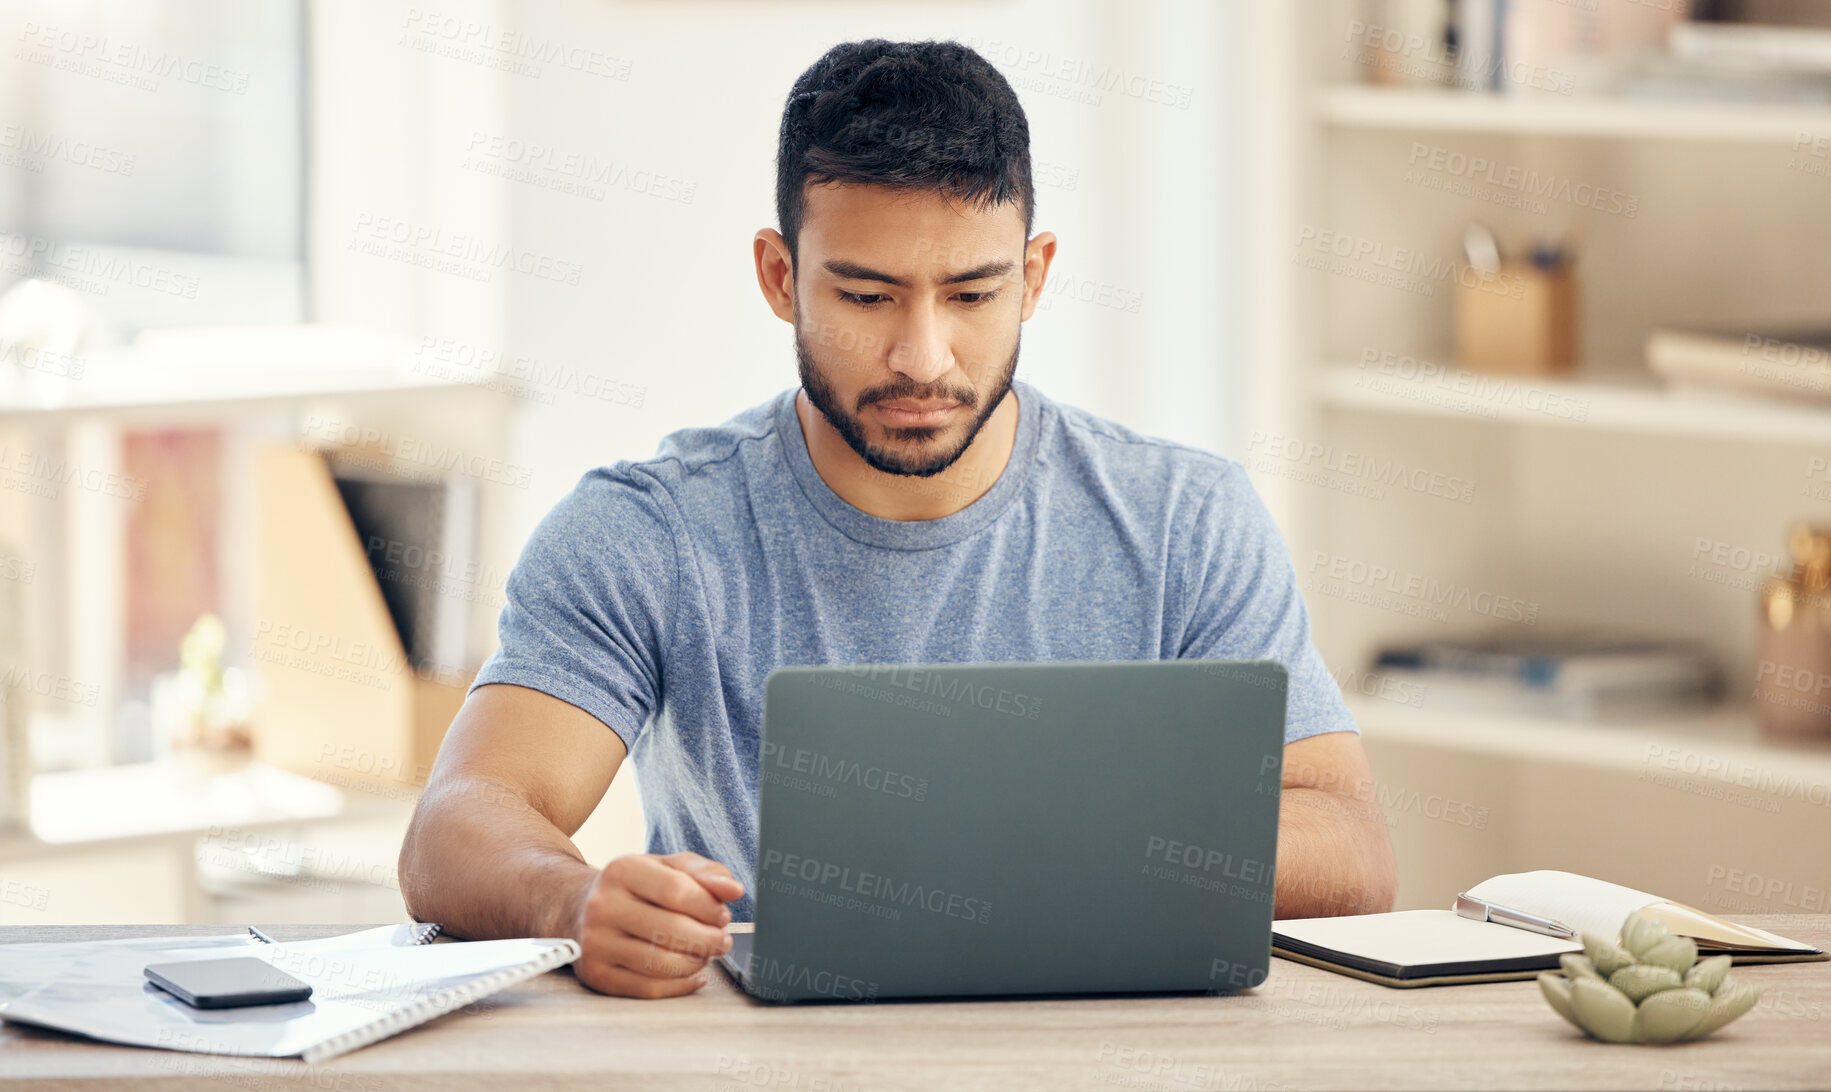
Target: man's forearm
[481, 861]
[1334, 855]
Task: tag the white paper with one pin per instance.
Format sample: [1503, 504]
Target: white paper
[357, 980]
[25, 967]
[1412, 938]
[1585, 904]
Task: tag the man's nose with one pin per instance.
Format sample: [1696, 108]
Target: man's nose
[921, 351]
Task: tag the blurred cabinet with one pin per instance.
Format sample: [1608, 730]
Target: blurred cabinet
[201, 840]
[1601, 499]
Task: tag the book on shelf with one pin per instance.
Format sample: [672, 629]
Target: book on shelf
[1572, 675]
[1410, 948]
[1666, 77]
[1769, 46]
[1778, 362]
[367, 691]
[421, 540]
[1475, 26]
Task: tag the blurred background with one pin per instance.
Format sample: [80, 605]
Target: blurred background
[310, 309]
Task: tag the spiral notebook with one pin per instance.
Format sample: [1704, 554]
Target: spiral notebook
[366, 986]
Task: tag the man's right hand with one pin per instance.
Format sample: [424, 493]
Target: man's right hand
[649, 926]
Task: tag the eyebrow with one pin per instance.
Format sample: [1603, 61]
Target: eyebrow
[854, 272]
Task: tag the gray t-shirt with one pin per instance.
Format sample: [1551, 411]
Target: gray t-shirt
[658, 595]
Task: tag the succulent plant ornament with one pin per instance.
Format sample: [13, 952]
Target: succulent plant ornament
[1649, 987]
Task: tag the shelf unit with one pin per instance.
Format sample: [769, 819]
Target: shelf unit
[299, 386]
[1594, 518]
[1615, 406]
[1719, 745]
[132, 840]
[1433, 110]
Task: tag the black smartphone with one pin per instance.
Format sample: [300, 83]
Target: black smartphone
[227, 983]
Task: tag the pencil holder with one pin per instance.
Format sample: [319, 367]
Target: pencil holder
[1521, 320]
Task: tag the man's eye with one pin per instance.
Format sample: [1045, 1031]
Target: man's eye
[976, 297]
[863, 299]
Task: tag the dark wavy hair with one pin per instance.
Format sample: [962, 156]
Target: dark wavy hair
[909, 115]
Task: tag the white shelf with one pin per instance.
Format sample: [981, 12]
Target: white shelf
[153, 391]
[1427, 109]
[164, 797]
[1468, 396]
[146, 802]
[1721, 745]
[217, 372]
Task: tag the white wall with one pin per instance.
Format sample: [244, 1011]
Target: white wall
[1135, 190]
[668, 298]
[432, 117]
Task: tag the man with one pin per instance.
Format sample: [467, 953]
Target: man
[911, 502]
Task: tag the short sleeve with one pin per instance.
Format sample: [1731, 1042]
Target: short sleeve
[1245, 604]
[587, 616]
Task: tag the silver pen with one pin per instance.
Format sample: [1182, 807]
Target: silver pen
[262, 937]
[1469, 906]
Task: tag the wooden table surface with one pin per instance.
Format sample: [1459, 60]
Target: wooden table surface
[1304, 1028]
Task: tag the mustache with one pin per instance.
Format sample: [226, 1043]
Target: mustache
[963, 395]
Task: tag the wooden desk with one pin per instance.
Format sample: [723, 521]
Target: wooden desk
[1304, 1028]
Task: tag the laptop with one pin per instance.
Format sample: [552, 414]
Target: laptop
[950, 830]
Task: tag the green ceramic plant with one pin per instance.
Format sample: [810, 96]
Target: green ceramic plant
[1650, 987]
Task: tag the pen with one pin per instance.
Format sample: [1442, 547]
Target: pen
[1469, 906]
[262, 937]
[1481, 249]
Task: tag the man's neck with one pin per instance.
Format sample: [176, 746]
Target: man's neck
[905, 496]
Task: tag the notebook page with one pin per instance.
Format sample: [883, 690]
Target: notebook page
[1586, 905]
[27, 966]
[1712, 930]
[1774, 939]
[108, 996]
[381, 936]
[1410, 938]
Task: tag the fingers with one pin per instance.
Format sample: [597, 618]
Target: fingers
[671, 887]
[620, 981]
[652, 924]
[635, 949]
[666, 929]
[714, 877]
[651, 960]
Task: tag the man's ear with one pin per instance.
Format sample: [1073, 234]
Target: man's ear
[1038, 253]
[775, 273]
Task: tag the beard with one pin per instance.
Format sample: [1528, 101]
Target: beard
[894, 461]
